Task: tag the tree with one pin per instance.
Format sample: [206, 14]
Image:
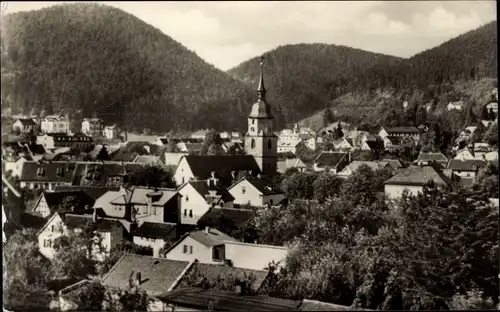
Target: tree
[326, 186]
[299, 185]
[153, 176]
[327, 117]
[487, 180]
[212, 137]
[491, 134]
[103, 154]
[89, 297]
[215, 149]
[338, 133]
[171, 147]
[485, 113]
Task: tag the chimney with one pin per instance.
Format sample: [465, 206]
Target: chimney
[207, 230]
[138, 279]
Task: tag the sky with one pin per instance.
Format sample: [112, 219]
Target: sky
[228, 33]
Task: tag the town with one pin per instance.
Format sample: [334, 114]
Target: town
[402, 215]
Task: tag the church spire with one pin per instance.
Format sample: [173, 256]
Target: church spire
[261, 90]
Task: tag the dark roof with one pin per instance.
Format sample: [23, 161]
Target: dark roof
[26, 121]
[157, 274]
[55, 199]
[394, 163]
[418, 175]
[48, 171]
[99, 173]
[264, 186]
[93, 191]
[203, 166]
[74, 221]
[213, 271]
[218, 300]
[329, 159]
[32, 221]
[402, 130]
[466, 165]
[214, 237]
[37, 148]
[154, 230]
[230, 217]
[202, 187]
[424, 157]
[163, 140]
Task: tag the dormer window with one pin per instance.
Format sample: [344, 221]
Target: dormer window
[40, 171]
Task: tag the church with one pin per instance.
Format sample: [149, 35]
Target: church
[261, 148]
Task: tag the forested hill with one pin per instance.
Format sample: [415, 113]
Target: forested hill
[86, 57]
[303, 79]
[299, 76]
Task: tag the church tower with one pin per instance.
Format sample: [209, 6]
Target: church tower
[260, 141]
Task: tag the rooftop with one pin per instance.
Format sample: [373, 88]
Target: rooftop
[419, 176]
[466, 165]
[214, 237]
[154, 230]
[329, 159]
[202, 187]
[401, 129]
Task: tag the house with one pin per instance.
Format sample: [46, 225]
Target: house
[197, 197]
[46, 175]
[394, 163]
[12, 203]
[114, 211]
[200, 134]
[111, 132]
[161, 141]
[255, 191]
[14, 166]
[458, 105]
[151, 160]
[468, 131]
[50, 202]
[58, 140]
[427, 158]
[466, 168]
[111, 232]
[190, 147]
[285, 164]
[129, 150]
[104, 174]
[92, 126]
[226, 219]
[24, 125]
[55, 124]
[402, 132]
[155, 235]
[491, 156]
[173, 159]
[198, 299]
[331, 161]
[194, 167]
[356, 164]
[289, 146]
[249, 255]
[396, 143]
[198, 245]
[344, 145]
[413, 179]
[465, 154]
[144, 204]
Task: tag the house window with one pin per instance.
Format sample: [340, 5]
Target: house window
[253, 143]
[253, 121]
[185, 212]
[52, 228]
[190, 213]
[271, 202]
[187, 198]
[191, 249]
[47, 243]
[185, 249]
[243, 190]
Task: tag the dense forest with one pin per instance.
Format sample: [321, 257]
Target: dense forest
[82, 58]
[310, 77]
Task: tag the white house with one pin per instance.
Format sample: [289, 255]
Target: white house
[24, 125]
[92, 126]
[110, 230]
[15, 166]
[464, 154]
[458, 105]
[198, 245]
[172, 159]
[55, 124]
[154, 235]
[466, 168]
[285, 164]
[104, 202]
[402, 132]
[413, 180]
[110, 132]
[197, 197]
[255, 191]
[344, 144]
[355, 165]
[251, 256]
[47, 176]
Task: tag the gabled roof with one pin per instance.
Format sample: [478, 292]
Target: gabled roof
[147, 159]
[418, 176]
[424, 157]
[329, 159]
[217, 300]
[314, 305]
[158, 275]
[74, 221]
[263, 186]
[466, 165]
[230, 217]
[212, 272]
[394, 163]
[140, 195]
[154, 230]
[401, 130]
[214, 237]
[202, 166]
[55, 199]
[26, 121]
[46, 172]
[99, 173]
[202, 187]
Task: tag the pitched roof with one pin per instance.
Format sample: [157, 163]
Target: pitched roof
[329, 159]
[147, 159]
[373, 165]
[262, 185]
[94, 192]
[217, 300]
[45, 172]
[212, 272]
[26, 121]
[202, 166]
[157, 274]
[140, 195]
[230, 217]
[55, 199]
[401, 130]
[202, 187]
[214, 237]
[74, 221]
[423, 157]
[418, 175]
[154, 230]
[394, 163]
[466, 165]
[99, 172]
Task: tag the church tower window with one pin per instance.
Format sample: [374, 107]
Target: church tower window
[269, 144]
[253, 143]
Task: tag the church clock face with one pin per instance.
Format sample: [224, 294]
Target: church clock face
[252, 129]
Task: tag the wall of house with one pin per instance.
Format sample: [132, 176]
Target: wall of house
[154, 243]
[42, 208]
[465, 174]
[46, 141]
[173, 159]
[464, 155]
[183, 173]
[273, 199]
[51, 232]
[254, 256]
[48, 186]
[15, 166]
[245, 193]
[191, 201]
[200, 251]
[395, 191]
[153, 214]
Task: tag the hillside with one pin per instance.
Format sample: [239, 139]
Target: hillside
[299, 76]
[353, 87]
[85, 57]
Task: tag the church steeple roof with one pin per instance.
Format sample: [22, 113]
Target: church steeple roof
[261, 109]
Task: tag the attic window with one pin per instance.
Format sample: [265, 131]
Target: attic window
[40, 171]
[156, 262]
